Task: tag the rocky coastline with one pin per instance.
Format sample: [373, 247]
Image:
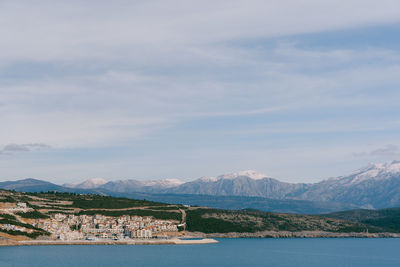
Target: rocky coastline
[301, 234]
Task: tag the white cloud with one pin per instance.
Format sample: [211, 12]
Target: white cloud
[102, 74]
[10, 149]
[68, 31]
[390, 151]
[115, 105]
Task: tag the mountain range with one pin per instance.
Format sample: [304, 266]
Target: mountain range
[374, 186]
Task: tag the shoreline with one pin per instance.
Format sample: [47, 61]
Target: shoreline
[201, 238]
[302, 234]
[109, 242]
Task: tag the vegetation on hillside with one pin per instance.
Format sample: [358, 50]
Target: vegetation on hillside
[32, 215]
[224, 221]
[198, 219]
[9, 199]
[30, 235]
[7, 216]
[95, 201]
[12, 221]
[197, 223]
[385, 219]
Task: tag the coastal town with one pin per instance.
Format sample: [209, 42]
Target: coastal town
[63, 226]
[87, 227]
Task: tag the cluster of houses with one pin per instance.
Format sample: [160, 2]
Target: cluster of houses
[10, 208]
[15, 207]
[74, 227]
[10, 227]
[90, 227]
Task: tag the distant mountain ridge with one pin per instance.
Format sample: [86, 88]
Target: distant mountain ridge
[30, 185]
[374, 186]
[223, 202]
[131, 185]
[239, 186]
[88, 184]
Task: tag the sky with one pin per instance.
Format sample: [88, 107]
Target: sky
[298, 90]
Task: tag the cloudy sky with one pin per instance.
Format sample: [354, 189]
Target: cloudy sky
[299, 90]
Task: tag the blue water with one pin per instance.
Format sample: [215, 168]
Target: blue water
[229, 252]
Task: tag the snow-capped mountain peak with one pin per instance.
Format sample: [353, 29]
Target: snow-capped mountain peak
[249, 173]
[163, 183]
[230, 176]
[88, 184]
[373, 171]
[394, 167]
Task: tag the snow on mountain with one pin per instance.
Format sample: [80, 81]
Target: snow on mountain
[208, 179]
[377, 171]
[230, 176]
[243, 183]
[88, 184]
[393, 167]
[127, 184]
[374, 186]
[249, 173]
[166, 183]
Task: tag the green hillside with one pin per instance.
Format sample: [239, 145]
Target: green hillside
[384, 219]
[224, 221]
[197, 219]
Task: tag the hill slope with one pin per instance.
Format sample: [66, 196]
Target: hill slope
[198, 219]
[386, 219]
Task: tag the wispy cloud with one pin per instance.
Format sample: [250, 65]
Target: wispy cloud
[65, 30]
[77, 79]
[113, 105]
[17, 148]
[389, 150]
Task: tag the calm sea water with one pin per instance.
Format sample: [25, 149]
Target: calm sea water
[229, 252]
